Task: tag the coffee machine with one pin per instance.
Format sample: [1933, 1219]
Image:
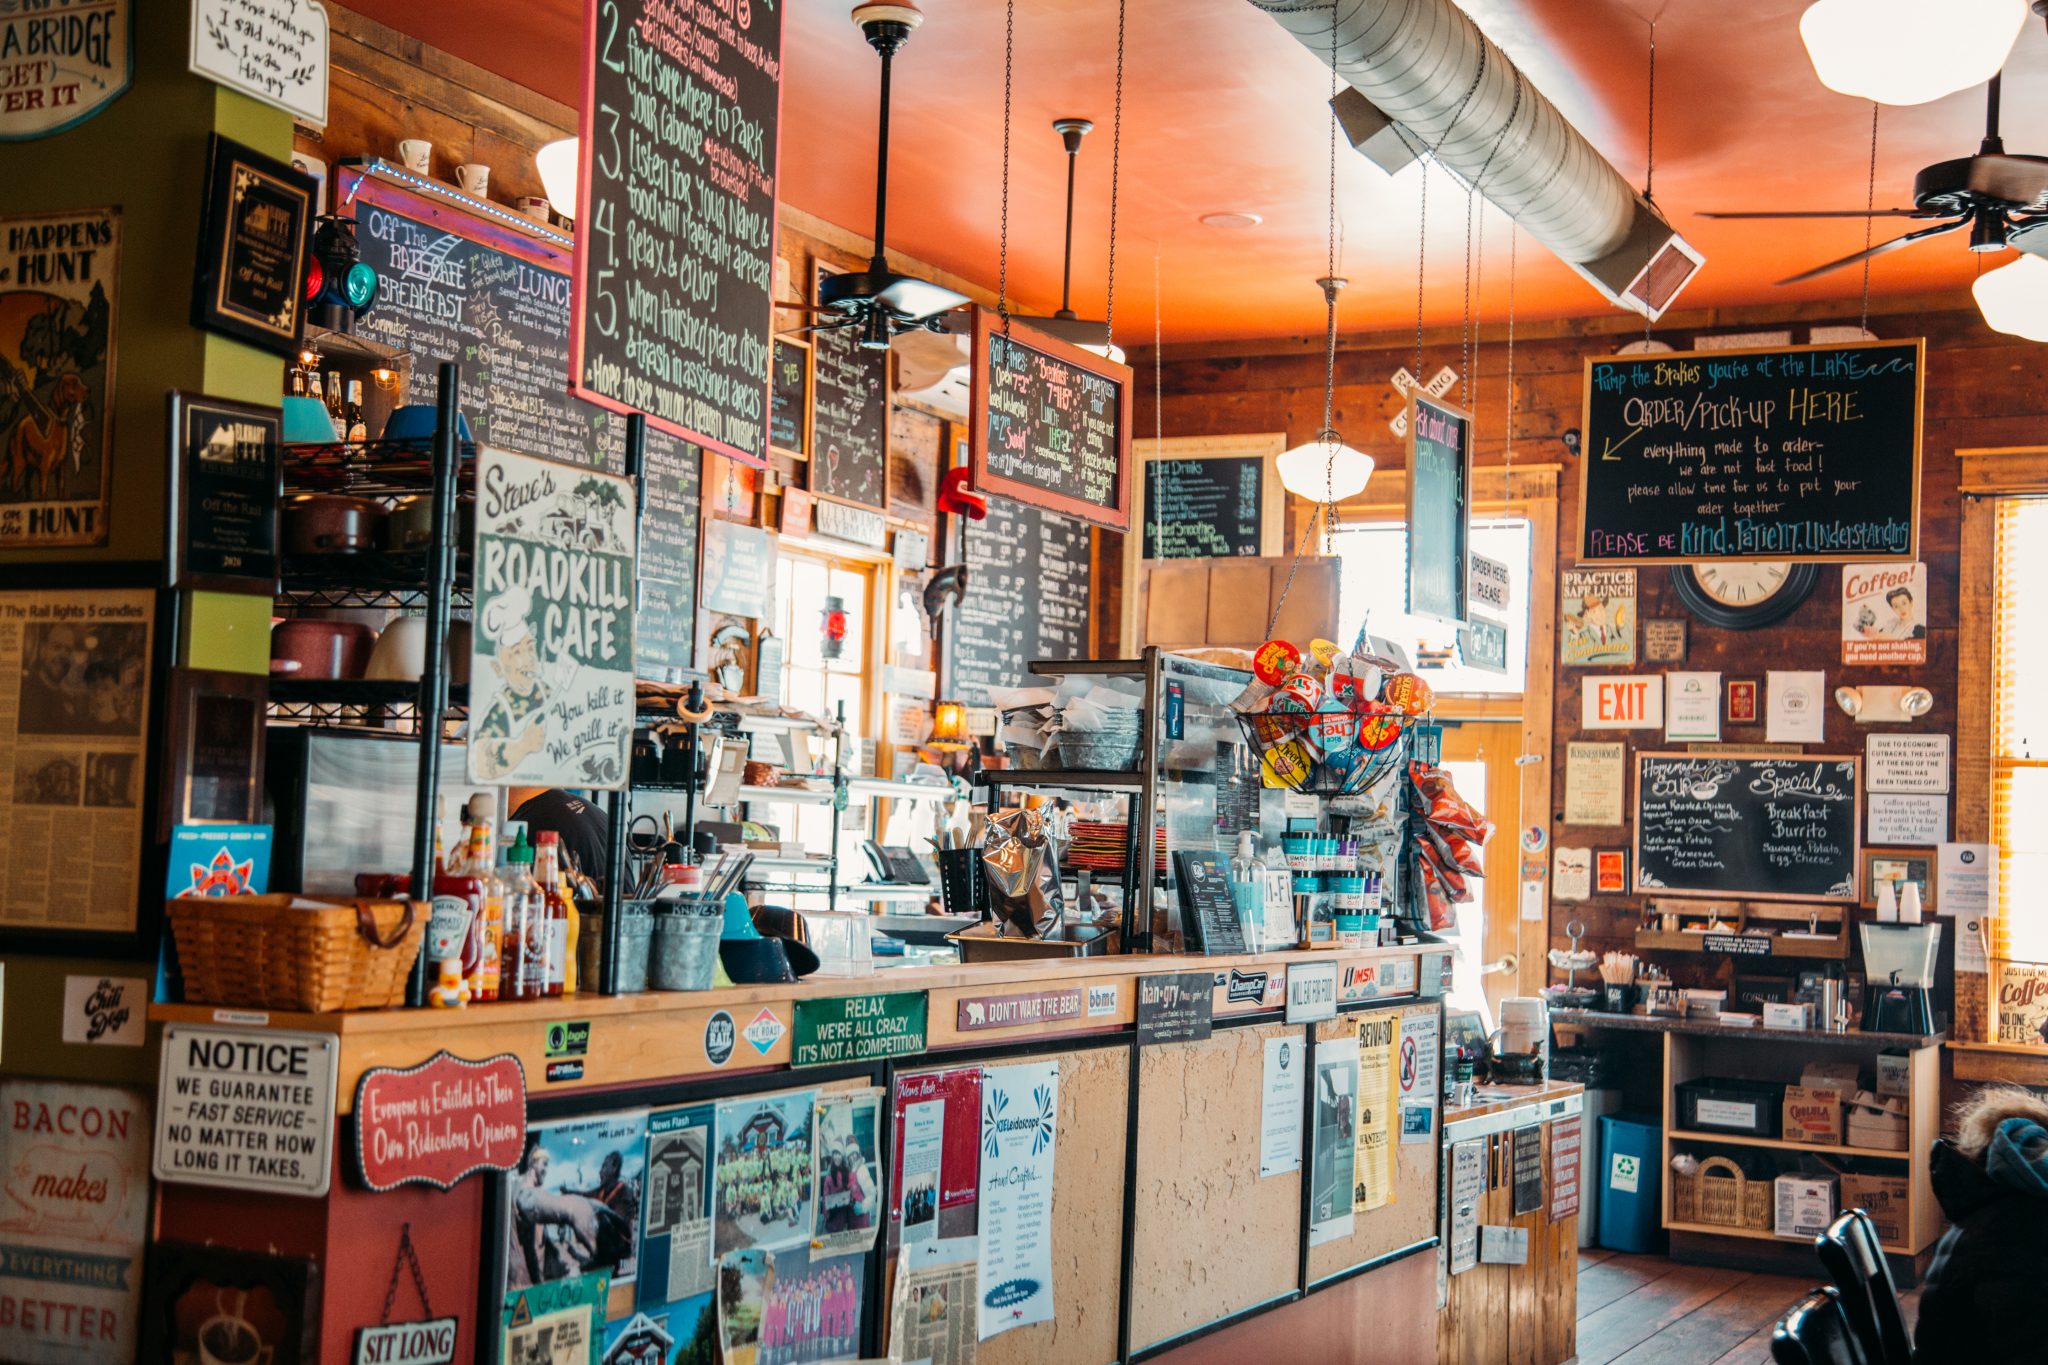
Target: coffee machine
[1898, 960]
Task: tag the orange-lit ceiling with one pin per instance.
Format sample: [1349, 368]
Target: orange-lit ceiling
[1224, 113]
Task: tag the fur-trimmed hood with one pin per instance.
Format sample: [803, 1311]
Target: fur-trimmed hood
[1978, 1117]
[2000, 1149]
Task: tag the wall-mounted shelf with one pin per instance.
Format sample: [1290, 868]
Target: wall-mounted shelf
[1783, 1145]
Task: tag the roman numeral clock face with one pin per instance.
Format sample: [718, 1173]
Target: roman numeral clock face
[1743, 594]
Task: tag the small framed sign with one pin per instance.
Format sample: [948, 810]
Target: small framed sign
[213, 760]
[1742, 705]
[1664, 641]
[254, 238]
[224, 494]
[1898, 866]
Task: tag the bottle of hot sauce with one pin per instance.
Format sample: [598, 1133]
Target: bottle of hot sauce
[560, 914]
[523, 971]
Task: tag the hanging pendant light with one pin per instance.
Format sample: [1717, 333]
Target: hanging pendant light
[1087, 333]
[1326, 470]
[2014, 298]
[1909, 51]
[556, 163]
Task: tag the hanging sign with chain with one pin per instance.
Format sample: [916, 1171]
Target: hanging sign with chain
[426, 1341]
[1051, 424]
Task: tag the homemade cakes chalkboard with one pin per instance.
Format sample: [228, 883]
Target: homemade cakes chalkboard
[675, 242]
[1051, 423]
[1761, 827]
[849, 418]
[1799, 452]
[1028, 588]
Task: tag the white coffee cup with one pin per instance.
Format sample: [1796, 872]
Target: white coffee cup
[474, 178]
[228, 1338]
[416, 156]
[535, 206]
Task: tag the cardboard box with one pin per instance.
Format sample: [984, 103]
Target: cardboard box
[1883, 1197]
[1877, 1123]
[1786, 1016]
[1813, 1115]
[1805, 1204]
[1894, 1074]
[1846, 1077]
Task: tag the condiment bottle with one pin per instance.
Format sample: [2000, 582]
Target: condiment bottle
[488, 979]
[455, 916]
[523, 971]
[559, 915]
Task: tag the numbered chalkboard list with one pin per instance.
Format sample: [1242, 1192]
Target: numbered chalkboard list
[1762, 826]
[1203, 509]
[664, 633]
[1028, 589]
[1053, 424]
[1804, 452]
[496, 310]
[676, 237]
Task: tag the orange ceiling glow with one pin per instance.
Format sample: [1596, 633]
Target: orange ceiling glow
[1224, 114]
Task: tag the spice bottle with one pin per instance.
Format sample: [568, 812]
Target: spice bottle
[558, 914]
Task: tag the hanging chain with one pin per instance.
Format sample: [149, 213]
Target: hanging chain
[408, 1258]
[1116, 145]
[1332, 443]
[1158, 404]
[1650, 149]
[1508, 473]
[1869, 220]
[1003, 231]
[1429, 159]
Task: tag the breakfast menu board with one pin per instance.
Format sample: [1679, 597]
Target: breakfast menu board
[1796, 453]
[665, 628]
[1439, 508]
[493, 300]
[1029, 582]
[675, 215]
[849, 417]
[1051, 423]
[1761, 826]
[1205, 509]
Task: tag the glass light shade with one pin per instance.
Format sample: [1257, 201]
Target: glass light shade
[1309, 472]
[556, 163]
[949, 727]
[1909, 51]
[2014, 298]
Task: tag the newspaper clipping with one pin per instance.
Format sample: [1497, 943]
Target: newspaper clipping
[74, 695]
[936, 1314]
[57, 306]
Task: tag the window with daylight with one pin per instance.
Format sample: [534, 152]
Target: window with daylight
[807, 587]
[2019, 736]
[1373, 588]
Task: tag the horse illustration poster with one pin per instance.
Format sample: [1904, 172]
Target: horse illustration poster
[551, 671]
[57, 307]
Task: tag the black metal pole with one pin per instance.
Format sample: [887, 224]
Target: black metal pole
[696, 704]
[839, 803]
[1126, 1291]
[619, 804]
[433, 694]
[880, 261]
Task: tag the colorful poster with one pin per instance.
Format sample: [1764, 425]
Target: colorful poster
[1884, 613]
[937, 1185]
[576, 1200]
[551, 659]
[218, 860]
[558, 1323]
[80, 62]
[810, 1308]
[675, 1229]
[59, 296]
[74, 1215]
[1019, 1111]
[847, 1173]
[1378, 1099]
[1597, 626]
[1336, 1148]
[762, 1174]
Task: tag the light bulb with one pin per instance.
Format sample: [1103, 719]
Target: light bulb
[2014, 298]
[1909, 51]
[556, 163]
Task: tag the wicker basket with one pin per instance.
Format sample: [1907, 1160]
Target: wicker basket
[1721, 1195]
[287, 953]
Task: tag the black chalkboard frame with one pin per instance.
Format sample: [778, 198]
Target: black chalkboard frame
[986, 325]
[819, 480]
[803, 454]
[1586, 456]
[1764, 893]
[1461, 609]
[1266, 446]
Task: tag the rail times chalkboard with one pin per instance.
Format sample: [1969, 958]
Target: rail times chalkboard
[1763, 827]
[675, 219]
[1029, 583]
[1439, 508]
[1051, 423]
[1797, 453]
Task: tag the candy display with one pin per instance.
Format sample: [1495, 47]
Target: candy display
[1325, 721]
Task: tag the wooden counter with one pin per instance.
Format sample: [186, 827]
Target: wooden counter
[1714, 1028]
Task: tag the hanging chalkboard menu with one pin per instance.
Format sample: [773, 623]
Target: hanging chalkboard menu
[849, 417]
[665, 629]
[495, 301]
[1051, 423]
[1439, 507]
[789, 398]
[1205, 509]
[675, 216]
[1798, 452]
[1763, 826]
[1028, 588]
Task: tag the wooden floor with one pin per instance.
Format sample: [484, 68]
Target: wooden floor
[1645, 1310]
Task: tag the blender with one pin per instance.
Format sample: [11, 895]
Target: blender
[1898, 962]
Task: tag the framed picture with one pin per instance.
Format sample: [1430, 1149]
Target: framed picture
[1744, 701]
[255, 235]
[1664, 640]
[1610, 872]
[224, 494]
[213, 760]
[215, 1303]
[1898, 866]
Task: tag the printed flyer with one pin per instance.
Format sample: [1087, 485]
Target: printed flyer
[1378, 1100]
[675, 1237]
[937, 1188]
[762, 1175]
[559, 1323]
[1598, 624]
[934, 1319]
[847, 1175]
[1019, 1112]
[551, 671]
[576, 1200]
[1884, 613]
[1336, 1147]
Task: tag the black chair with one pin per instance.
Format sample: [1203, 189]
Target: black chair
[1850, 1253]
[1816, 1332]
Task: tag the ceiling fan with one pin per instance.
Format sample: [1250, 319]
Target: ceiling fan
[878, 302]
[2002, 198]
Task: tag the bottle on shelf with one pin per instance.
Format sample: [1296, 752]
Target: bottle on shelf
[353, 423]
[559, 914]
[296, 387]
[336, 408]
[523, 958]
[487, 980]
[455, 916]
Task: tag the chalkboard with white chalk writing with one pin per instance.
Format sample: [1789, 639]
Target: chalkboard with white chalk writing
[1204, 509]
[1029, 583]
[1051, 423]
[1761, 826]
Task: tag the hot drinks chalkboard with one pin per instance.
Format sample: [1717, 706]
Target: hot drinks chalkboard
[1211, 508]
[1801, 452]
[849, 418]
[1439, 507]
[1760, 826]
[675, 216]
[1028, 588]
[1051, 423]
[665, 630]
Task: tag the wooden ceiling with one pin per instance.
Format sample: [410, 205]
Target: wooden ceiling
[1224, 113]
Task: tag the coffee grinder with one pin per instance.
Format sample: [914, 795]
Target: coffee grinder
[1898, 960]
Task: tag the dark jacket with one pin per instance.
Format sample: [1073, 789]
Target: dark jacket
[1986, 1295]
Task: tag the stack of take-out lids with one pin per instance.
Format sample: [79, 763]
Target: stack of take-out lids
[1098, 846]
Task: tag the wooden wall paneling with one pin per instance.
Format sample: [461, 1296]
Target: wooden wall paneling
[1382, 1318]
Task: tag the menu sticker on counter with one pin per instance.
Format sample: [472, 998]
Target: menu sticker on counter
[245, 1109]
[1061, 1005]
[440, 1122]
[1051, 423]
[1175, 1007]
[83, 58]
[676, 192]
[838, 1029]
[275, 51]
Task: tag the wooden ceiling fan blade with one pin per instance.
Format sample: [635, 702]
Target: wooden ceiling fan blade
[1821, 213]
[1880, 249]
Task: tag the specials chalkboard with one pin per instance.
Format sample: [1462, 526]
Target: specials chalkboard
[675, 217]
[496, 302]
[1050, 423]
[1205, 509]
[1798, 452]
[849, 418]
[1029, 582]
[789, 398]
[1760, 826]
[665, 629]
[1439, 508]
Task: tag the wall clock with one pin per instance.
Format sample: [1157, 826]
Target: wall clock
[1737, 594]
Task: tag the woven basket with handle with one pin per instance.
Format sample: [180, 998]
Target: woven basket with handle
[1720, 1194]
[288, 953]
